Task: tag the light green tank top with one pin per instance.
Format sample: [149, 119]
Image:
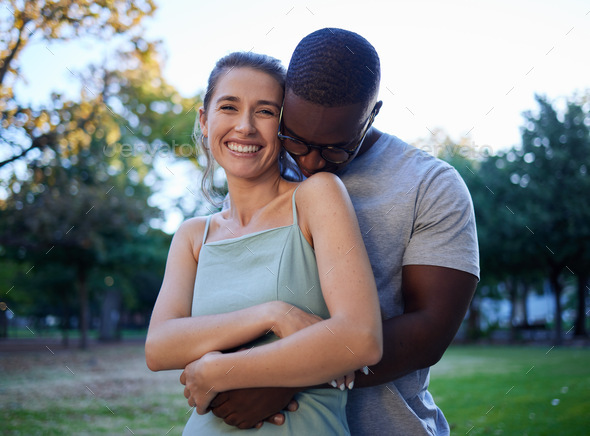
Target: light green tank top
[273, 264]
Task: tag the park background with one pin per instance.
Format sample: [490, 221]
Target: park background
[98, 168]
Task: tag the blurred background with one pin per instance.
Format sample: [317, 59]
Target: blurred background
[98, 167]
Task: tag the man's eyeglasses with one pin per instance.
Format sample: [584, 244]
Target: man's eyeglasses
[331, 154]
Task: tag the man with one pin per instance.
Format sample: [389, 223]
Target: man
[417, 222]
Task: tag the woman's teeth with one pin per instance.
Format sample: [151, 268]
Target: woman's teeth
[233, 146]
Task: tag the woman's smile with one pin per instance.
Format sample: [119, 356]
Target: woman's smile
[242, 148]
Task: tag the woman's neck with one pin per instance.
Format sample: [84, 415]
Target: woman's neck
[248, 197]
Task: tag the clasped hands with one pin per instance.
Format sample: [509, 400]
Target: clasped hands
[242, 408]
[247, 408]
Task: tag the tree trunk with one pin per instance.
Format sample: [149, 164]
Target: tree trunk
[110, 315]
[473, 332]
[512, 288]
[83, 295]
[525, 297]
[3, 323]
[65, 337]
[65, 324]
[580, 324]
[557, 288]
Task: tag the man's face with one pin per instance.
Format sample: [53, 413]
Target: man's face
[321, 126]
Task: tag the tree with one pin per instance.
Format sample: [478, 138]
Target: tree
[508, 254]
[535, 220]
[83, 202]
[39, 20]
[555, 160]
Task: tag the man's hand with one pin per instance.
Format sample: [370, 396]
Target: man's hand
[248, 408]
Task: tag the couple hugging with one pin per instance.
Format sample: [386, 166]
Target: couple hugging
[314, 306]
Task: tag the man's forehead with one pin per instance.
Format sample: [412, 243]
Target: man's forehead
[303, 117]
[295, 105]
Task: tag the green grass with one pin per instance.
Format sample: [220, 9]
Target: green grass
[108, 390]
[526, 390]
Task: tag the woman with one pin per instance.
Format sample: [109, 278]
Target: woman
[280, 251]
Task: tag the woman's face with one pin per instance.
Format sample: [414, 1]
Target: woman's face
[241, 122]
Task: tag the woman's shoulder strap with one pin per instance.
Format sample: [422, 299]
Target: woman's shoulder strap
[206, 229]
[294, 206]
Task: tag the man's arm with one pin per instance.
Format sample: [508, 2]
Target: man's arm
[435, 302]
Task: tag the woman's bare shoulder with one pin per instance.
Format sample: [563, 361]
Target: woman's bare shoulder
[321, 185]
[320, 198]
[322, 177]
[191, 232]
[192, 224]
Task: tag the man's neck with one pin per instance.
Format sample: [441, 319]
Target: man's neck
[372, 136]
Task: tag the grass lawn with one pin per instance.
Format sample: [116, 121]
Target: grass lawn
[109, 390]
[519, 390]
[106, 390]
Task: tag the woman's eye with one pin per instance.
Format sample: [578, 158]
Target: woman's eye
[227, 108]
[267, 112]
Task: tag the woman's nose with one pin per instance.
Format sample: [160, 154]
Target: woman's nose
[245, 124]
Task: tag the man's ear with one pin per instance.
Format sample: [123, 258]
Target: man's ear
[378, 106]
[203, 121]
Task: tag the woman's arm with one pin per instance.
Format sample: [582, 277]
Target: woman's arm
[348, 340]
[175, 338]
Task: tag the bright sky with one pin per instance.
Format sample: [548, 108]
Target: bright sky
[468, 67]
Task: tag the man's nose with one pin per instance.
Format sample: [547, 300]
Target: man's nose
[312, 162]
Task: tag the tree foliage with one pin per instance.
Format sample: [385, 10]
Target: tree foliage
[28, 21]
[81, 209]
[531, 205]
[553, 163]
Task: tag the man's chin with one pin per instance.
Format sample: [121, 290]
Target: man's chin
[306, 173]
[323, 170]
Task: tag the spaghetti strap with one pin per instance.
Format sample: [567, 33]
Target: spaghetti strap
[206, 229]
[294, 207]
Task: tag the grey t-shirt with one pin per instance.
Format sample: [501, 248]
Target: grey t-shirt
[412, 209]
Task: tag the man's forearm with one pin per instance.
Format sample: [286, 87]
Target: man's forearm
[435, 302]
[406, 348]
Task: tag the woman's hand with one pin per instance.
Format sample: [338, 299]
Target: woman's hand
[289, 319]
[199, 387]
[347, 381]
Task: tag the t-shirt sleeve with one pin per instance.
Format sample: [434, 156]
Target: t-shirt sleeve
[444, 232]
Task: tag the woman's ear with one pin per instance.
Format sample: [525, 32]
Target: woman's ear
[203, 121]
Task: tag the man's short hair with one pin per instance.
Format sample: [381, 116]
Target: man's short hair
[334, 67]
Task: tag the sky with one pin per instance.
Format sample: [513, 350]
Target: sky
[469, 68]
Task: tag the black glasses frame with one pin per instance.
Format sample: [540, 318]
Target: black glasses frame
[324, 148]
